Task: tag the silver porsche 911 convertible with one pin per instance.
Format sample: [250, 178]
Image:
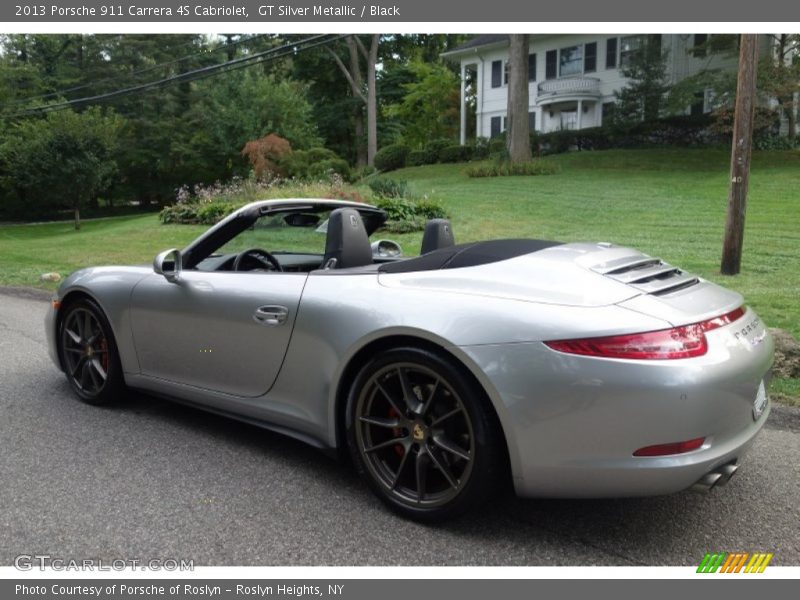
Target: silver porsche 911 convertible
[577, 369]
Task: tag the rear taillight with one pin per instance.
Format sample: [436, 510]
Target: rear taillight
[679, 342]
[672, 448]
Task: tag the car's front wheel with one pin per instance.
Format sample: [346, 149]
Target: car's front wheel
[423, 435]
[89, 353]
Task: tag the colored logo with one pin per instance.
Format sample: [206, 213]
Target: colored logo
[734, 562]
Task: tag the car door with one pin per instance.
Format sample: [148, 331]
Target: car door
[221, 331]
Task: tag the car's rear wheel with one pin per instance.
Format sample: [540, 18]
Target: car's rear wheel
[89, 353]
[423, 435]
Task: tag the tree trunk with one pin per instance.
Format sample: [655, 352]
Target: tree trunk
[740, 155]
[372, 102]
[518, 138]
[358, 109]
[77, 217]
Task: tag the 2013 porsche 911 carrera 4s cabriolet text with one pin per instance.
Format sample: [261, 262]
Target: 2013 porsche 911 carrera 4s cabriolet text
[579, 369]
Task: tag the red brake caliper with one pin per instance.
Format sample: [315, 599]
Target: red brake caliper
[397, 432]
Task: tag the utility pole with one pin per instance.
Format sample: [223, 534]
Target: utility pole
[741, 151]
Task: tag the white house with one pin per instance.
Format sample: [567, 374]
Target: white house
[572, 78]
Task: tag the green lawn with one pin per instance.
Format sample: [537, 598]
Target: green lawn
[669, 203]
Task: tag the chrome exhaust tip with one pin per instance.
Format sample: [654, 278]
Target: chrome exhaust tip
[719, 476]
[727, 471]
[706, 482]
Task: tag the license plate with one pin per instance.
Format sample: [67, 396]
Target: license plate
[760, 402]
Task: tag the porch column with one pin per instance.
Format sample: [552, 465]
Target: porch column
[580, 114]
[463, 131]
[479, 101]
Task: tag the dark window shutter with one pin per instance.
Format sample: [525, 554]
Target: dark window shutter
[699, 40]
[531, 67]
[552, 64]
[496, 122]
[611, 53]
[590, 58]
[497, 73]
[532, 121]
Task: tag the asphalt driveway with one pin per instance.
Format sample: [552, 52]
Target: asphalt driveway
[150, 479]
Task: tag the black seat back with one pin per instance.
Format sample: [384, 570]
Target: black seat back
[438, 234]
[347, 244]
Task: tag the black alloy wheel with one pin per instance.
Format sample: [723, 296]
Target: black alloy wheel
[425, 439]
[89, 353]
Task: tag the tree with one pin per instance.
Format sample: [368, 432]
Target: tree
[779, 77]
[644, 64]
[67, 158]
[518, 138]
[429, 107]
[358, 51]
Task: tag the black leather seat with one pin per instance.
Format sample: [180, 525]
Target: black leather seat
[347, 244]
[438, 234]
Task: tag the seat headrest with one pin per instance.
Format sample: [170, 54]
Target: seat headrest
[438, 234]
[347, 244]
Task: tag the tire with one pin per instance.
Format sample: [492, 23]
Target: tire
[89, 353]
[423, 434]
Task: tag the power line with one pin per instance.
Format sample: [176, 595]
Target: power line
[201, 73]
[132, 74]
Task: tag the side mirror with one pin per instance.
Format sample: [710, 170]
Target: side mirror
[386, 249]
[168, 264]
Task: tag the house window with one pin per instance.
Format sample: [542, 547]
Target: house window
[698, 108]
[700, 40]
[571, 61]
[505, 73]
[590, 58]
[531, 67]
[551, 64]
[628, 48]
[532, 121]
[505, 123]
[496, 124]
[497, 73]
[611, 53]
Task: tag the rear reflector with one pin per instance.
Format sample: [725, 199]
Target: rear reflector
[666, 344]
[673, 448]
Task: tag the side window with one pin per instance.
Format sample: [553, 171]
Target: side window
[497, 73]
[590, 58]
[496, 124]
[551, 66]
[531, 67]
[611, 53]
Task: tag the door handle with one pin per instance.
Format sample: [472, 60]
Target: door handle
[271, 315]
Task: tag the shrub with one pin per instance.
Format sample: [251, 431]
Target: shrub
[404, 215]
[385, 187]
[417, 158]
[362, 172]
[315, 163]
[391, 157]
[455, 153]
[194, 213]
[265, 155]
[329, 166]
[480, 148]
[497, 147]
[433, 149]
[502, 169]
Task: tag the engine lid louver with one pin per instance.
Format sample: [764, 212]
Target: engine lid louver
[646, 274]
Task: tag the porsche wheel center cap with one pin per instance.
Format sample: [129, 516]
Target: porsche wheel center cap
[418, 432]
[89, 351]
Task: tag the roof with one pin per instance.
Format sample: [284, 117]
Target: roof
[478, 41]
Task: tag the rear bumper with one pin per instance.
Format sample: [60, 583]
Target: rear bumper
[572, 422]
